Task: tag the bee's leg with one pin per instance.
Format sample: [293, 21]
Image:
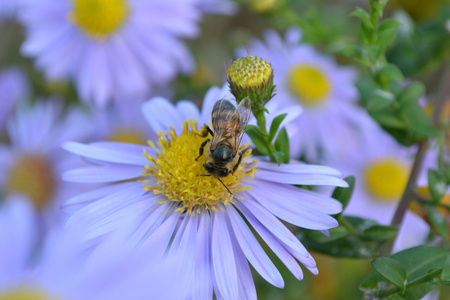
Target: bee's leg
[205, 131]
[238, 163]
[202, 146]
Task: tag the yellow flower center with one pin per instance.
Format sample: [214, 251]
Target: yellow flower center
[309, 84]
[99, 18]
[175, 173]
[125, 135]
[26, 294]
[33, 176]
[250, 72]
[386, 179]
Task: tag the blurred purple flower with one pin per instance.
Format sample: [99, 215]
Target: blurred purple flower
[33, 161]
[13, 89]
[111, 49]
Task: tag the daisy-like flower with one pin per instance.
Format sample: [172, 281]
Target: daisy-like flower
[175, 209]
[382, 169]
[33, 161]
[59, 270]
[325, 90]
[13, 88]
[110, 48]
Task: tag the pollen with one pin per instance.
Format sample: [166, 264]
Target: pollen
[386, 179]
[309, 84]
[33, 176]
[175, 173]
[99, 18]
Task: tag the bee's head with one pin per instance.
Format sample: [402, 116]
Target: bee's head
[223, 154]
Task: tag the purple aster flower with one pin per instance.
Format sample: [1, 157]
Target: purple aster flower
[331, 122]
[382, 168]
[33, 160]
[110, 49]
[9, 8]
[60, 270]
[176, 211]
[13, 88]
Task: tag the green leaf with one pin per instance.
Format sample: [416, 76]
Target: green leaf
[389, 120]
[386, 33]
[447, 172]
[416, 261]
[341, 243]
[344, 195]
[282, 144]
[445, 275]
[258, 139]
[437, 184]
[419, 123]
[362, 15]
[438, 221]
[277, 157]
[411, 93]
[391, 72]
[380, 100]
[392, 270]
[379, 233]
[351, 50]
[275, 125]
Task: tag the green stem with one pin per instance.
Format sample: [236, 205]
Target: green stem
[261, 121]
[430, 276]
[348, 226]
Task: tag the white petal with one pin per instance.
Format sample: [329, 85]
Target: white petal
[114, 152]
[253, 250]
[102, 174]
[223, 259]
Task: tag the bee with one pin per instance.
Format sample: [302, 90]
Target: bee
[229, 125]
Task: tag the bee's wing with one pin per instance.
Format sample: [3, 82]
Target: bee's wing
[223, 118]
[244, 111]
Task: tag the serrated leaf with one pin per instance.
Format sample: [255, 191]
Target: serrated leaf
[282, 144]
[344, 195]
[258, 139]
[438, 220]
[411, 93]
[275, 125]
[379, 101]
[437, 182]
[392, 270]
[379, 233]
[392, 72]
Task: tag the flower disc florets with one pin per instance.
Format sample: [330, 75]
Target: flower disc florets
[251, 76]
[175, 172]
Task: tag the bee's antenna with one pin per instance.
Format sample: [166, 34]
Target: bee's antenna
[220, 182]
[225, 186]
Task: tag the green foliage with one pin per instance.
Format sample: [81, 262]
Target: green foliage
[390, 102]
[275, 125]
[391, 270]
[354, 238]
[437, 183]
[438, 221]
[344, 195]
[423, 265]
